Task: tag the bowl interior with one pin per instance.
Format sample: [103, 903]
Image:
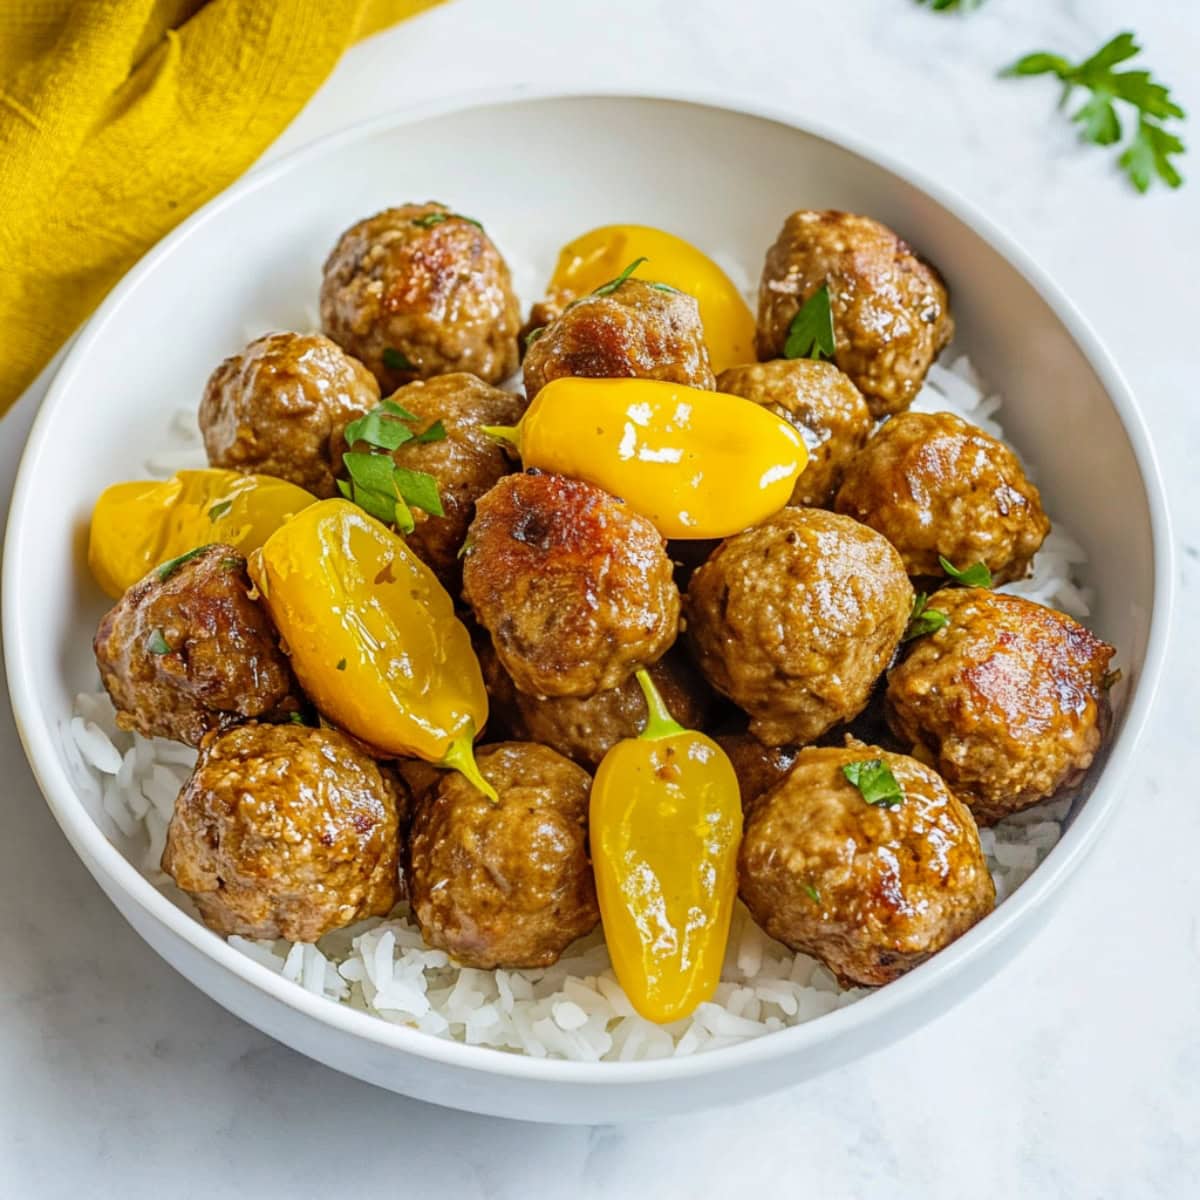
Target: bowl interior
[536, 172]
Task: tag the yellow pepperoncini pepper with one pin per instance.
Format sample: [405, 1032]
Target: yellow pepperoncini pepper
[599, 255]
[137, 526]
[697, 464]
[665, 824]
[372, 636]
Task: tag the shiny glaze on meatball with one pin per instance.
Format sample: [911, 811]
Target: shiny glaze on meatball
[574, 587]
[285, 832]
[871, 891]
[891, 314]
[933, 484]
[585, 728]
[419, 291]
[639, 331]
[1006, 700]
[271, 409]
[827, 410]
[795, 619]
[186, 650]
[466, 462]
[505, 884]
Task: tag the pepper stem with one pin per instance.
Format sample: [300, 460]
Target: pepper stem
[504, 433]
[659, 722]
[461, 758]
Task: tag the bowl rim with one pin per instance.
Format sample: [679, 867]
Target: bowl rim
[103, 859]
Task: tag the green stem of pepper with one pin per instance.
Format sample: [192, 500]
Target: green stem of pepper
[461, 757]
[659, 722]
[504, 433]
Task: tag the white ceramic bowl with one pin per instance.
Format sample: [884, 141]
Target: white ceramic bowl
[539, 170]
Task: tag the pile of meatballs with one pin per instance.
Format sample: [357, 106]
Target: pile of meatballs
[787, 641]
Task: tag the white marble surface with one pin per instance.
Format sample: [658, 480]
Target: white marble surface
[1076, 1073]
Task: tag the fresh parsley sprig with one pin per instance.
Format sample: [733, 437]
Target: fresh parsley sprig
[376, 484]
[1149, 152]
[810, 335]
[976, 575]
[923, 619]
[875, 782]
[429, 220]
[951, 5]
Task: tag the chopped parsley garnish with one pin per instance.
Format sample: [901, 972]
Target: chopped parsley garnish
[296, 718]
[813, 894]
[976, 575]
[1111, 680]
[951, 5]
[386, 427]
[1149, 152]
[167, 569]
[607, 289]
[231, 564]
[395, 360]
[923, 619]
[158, 644]
[666, 287]
[219, 509]
[429, 220]
[533, 335]
[810, 335]
[875, 782]
[341, 664]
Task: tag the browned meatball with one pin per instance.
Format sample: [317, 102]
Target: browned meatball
[586, 728]
[827, 410]
[271, 409]
[639, 331]
[933, 484]
[758, 768]
[419, 291]
[871, 891]
[795, 619]
[465, 463]
[507, 884]
[285, 832]
[186, 650]
[1006, 700]
[891, 315]
[574, 587]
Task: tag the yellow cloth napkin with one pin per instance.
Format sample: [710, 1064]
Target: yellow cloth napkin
[119, 117]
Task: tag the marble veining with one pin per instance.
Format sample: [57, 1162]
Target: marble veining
[1071, 1074]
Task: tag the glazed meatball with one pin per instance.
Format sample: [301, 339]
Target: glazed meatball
[585, 728]
[186, 650]
[507, 884]
[271, 409]
[795, 619]
[869, 890]
[1007, 700]
[758, 768]
[285, 832]
[827, 410]
[574, 587]
[933, 484]
[636, 332]
[465, 463]
[419, 291]
[891, 315]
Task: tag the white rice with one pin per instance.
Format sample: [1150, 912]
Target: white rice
[574, 1009]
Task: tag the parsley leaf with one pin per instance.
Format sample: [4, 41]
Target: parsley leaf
[165, 570]
[951, 5]
[813, 894]
[341, 664]
[383, 427]
[533, 335]
[607, 289]
[395, 360]
[875, 782]
[386, 491]
[219, 509]
[158, 644]
[810, 334]
[296, 718]
[1148, 154]
[429, 220]
[923, 619]
[976, 575]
